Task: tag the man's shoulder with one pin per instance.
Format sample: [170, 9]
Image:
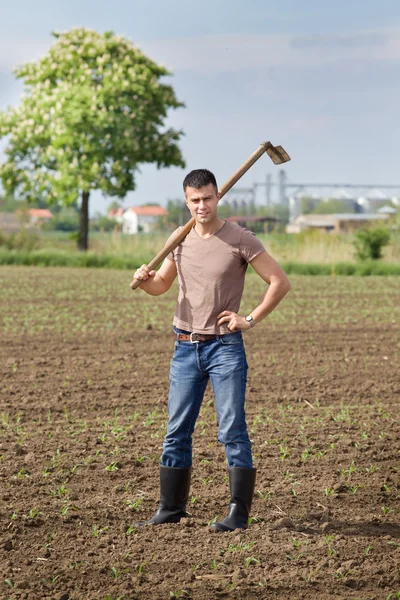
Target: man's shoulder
[235, 231]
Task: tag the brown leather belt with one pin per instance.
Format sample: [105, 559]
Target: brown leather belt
[195, 337]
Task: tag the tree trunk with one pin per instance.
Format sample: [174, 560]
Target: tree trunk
[84, 223]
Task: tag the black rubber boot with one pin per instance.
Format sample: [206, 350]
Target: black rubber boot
[241, 482]
[174, 493]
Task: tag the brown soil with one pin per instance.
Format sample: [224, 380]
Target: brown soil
[82, 423]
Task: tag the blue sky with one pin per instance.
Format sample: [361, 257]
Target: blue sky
[320, 78]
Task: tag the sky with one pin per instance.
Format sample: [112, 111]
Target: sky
[320, 78]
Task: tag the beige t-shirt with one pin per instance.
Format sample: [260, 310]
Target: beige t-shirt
[211, 274]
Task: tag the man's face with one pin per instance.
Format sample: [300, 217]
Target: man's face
[202, 203]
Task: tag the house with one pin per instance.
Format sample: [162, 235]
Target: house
[141, 218]
[116, 214]
[339, 222]
[38, 216]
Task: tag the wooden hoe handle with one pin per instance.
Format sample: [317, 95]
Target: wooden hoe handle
[278, 156]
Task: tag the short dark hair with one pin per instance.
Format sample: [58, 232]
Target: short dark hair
[200, 178]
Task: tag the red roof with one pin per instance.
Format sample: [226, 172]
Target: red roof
[149, 211]
[40, 213]
[116, 212]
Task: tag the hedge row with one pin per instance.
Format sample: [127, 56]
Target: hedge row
[46, 258]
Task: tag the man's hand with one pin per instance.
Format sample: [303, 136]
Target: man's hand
[234, 321]
[143, 273]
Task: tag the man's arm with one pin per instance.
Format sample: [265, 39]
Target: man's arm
[279, 285]
[158, 282]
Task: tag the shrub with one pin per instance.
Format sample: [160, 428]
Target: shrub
[368, 243]
[20, 240]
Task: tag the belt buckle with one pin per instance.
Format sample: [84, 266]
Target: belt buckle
[192, 339]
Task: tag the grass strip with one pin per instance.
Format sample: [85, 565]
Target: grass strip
[51, 258]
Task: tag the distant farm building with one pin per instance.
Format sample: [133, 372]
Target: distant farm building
[249, 221]
[336, 223]
[116, 214]
[141, 218]
[37, 216]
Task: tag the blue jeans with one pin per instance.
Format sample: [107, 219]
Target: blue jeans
[223, 360]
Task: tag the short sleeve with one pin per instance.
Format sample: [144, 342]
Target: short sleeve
[250, 245]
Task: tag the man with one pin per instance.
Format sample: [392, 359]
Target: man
[211, 263]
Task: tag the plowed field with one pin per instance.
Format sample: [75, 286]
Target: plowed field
[83, 389]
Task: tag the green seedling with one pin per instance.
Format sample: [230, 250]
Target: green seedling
[329, 491]
[96, 530]
[179, 594]
[140, 568]
[284, 452]
[251, 560]
[66, 508]
[134, 504]
[130, 529]
[22, 473]
[368, 550]
[295, 557]
[117, 572]
[75, 468]
[56, 459]
[371, 469]
[240, 546]
[34, 513]
[347, 473]
[206, 480]
[114, 466]
[386, 510]
[265, 495]
[255, 519]
[61, 491]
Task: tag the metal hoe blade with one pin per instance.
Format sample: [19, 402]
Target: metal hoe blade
[276, 153]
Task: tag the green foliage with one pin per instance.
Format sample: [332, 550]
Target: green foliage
[9, 204]
[331, 207]
[308, 205]
[93, 110]
[368, 243]
[21, 240]
[66, 220]
[46, 257]
[102, 223]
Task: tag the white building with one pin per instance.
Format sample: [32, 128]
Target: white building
[141, 218]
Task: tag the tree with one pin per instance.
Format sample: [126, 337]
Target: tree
[93, 110]
[369, 242]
